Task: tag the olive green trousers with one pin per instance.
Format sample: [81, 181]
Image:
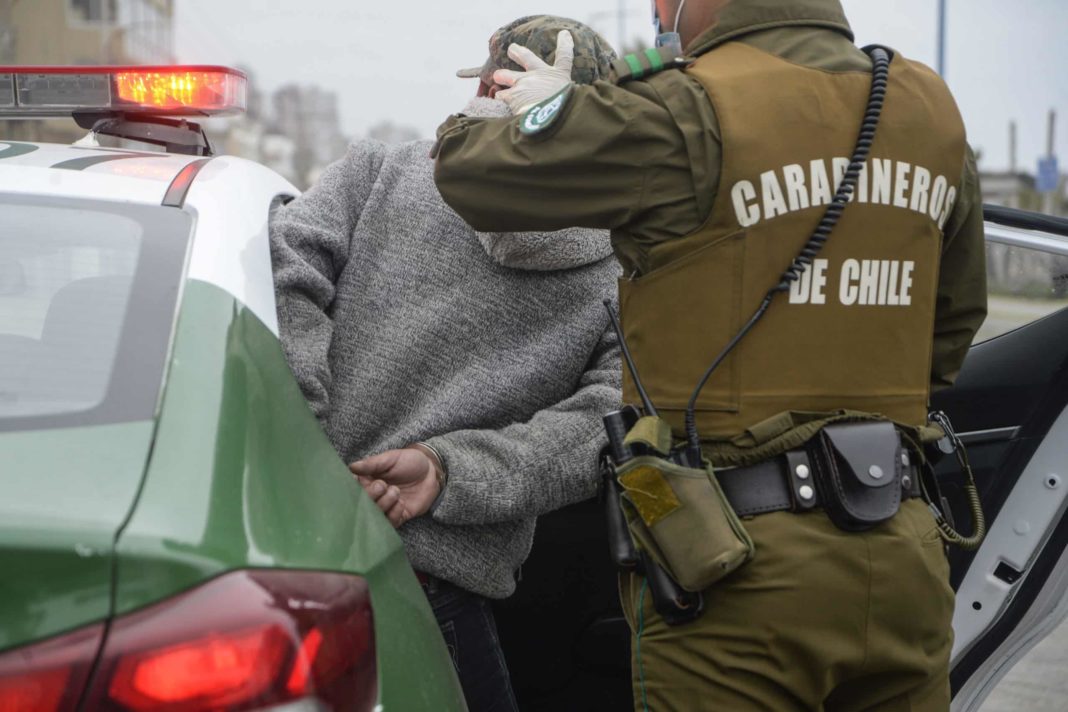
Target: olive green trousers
[820, 619]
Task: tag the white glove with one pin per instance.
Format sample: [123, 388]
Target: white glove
[540, 81]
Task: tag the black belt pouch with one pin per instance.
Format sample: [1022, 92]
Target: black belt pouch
[858, 472]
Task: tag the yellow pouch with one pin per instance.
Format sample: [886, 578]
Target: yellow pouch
[681, 518]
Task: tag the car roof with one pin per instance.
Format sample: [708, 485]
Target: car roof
[231, 198]
[73, 171]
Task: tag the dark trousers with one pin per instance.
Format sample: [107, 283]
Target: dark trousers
[470, 633]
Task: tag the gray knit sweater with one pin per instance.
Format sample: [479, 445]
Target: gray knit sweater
[402, 324]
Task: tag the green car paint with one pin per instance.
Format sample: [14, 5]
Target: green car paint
[66, 493]
[241, 476]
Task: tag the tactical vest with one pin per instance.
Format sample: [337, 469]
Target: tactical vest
[856, 331]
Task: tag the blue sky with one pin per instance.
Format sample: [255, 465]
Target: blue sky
[1006, 59]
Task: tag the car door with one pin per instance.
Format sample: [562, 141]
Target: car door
[567, 644]
[1009, 404]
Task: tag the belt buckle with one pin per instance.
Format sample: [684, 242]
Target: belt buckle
[801, 475]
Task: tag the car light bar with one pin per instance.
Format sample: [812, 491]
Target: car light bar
[27, 92]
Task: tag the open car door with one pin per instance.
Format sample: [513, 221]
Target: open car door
[565, 639]
[1010, 405]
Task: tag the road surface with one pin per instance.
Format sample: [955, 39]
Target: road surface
[1039, 682]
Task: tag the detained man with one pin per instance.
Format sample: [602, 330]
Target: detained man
[463, 374]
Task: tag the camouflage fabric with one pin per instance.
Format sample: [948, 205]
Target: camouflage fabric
[593, 54]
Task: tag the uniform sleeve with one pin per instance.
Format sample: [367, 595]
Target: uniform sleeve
[961, 303]
[310, 244]
[528, 469]
[614, 158]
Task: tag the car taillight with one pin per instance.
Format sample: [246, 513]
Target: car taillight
[246, 640]
[48, 676]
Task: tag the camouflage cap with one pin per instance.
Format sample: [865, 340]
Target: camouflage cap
[593, 54]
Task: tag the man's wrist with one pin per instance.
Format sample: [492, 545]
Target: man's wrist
[440, 473]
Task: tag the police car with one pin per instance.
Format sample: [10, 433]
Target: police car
[176, 532]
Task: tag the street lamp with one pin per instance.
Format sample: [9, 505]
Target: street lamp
[942, 38]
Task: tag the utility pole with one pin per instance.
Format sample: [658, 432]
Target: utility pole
[942, 38]
[1053, 189]
[1051, 134]
[1012, 147]
[1014, 198]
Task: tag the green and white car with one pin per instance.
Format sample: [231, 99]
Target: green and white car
[176, 532]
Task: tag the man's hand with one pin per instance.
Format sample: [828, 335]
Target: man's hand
[403, 483]
[540, 81]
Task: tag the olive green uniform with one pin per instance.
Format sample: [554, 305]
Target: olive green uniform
[710, 178]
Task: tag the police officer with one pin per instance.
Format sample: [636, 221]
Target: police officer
[712, 167]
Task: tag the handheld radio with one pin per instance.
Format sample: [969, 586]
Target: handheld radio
[674, 604]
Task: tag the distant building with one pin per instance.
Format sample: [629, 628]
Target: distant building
[1018, 190]
[87, 32]
[81, 32]
[278, 152]
[255, 105]
[389, 132]
[308, 115]
[1009, 190]
[296, 131]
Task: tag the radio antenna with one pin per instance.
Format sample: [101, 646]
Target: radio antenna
[650, 409]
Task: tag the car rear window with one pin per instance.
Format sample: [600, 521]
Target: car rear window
[65, 280]
[87, 299]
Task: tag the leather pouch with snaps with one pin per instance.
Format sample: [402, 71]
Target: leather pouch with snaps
[681, 518]
[858, 472]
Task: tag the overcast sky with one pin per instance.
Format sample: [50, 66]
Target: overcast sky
[1006, 59]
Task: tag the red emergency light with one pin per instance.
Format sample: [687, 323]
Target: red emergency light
[193, 90]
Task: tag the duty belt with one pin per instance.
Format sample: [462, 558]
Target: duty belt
[785, 483]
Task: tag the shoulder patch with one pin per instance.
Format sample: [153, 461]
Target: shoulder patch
[647, 63]
[543, 115]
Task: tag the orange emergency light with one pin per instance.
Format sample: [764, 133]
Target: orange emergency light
[193, 90]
